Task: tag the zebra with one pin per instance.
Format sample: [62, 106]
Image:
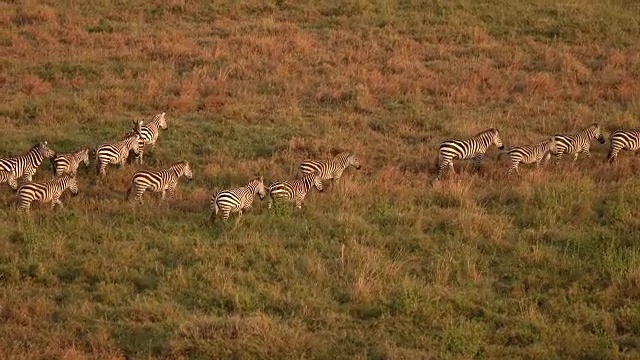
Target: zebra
[69, 163]
[149, 133]
[329, 169]
[9, 178]
[623, 140]
[159, 180]
[237, 200]
[470, 148]
[578, 142]
[46, 191]
[25, 166]
[117, 152]
[295, 190]
[527, 154]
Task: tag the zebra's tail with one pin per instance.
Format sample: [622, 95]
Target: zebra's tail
[214, 206]
[128, 194]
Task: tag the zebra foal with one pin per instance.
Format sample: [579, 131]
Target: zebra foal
[295, 190]
[117, 152]
[577, 143]
[329, 169]
[528, 154]
[623, 140]
[237, 200]
[46, 191]
[165, 180]
[69, 163]
[25, 166]
[472, 148]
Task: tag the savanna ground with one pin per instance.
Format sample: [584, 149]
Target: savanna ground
[380, 265]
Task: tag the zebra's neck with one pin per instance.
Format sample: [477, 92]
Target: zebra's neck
[590, 132]
[307, 182]
[252, 187]
[36, 154]
[485, 139]
[177, 170]
[342, 160]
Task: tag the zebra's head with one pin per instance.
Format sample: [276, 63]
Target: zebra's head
[260, 188]
[186, 170]
[550, 145]
[83, 156]
[137, 127]
[72, 184]
[317, 182]
[44, 150]
[133, 140]
[162, 122]
[597, 133]
[496, 138]
[353, 161]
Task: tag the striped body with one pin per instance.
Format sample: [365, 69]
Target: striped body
[236, 200]
[161, 181]
[9, 178]
[623, 140]
[117, 152]
[471, 148]
[25, 166]
[577, 143]
[69, 163]
[149, 133]
[529, 154]
[294, 191]
[329, 169]
[46, 191]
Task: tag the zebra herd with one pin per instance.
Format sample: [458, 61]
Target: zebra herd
[310, 174]
[474, 148]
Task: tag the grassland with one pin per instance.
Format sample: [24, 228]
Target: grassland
[382, 265]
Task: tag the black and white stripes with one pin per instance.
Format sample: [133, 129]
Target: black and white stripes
[69, 163]
[117, 152]
[471, 148]
[577, 143]
[9, 178]
[162, 181]
[25, 166]
[329, 169]
[529, 154]
[236, 200]
[623, 140]
[46, 191]
[295, 190]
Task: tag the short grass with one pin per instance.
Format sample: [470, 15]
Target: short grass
[382, 265]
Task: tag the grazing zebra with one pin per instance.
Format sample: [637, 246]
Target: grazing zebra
[577, 143]
[295, 190]
[623, 140]
[69, 163]
[117, 152]
[25, 166]
[236, 200]
[46, 191]
[149, 133]
[329, 169]
[528, 154]
[9, 178]
[159, 180]
[471, 148]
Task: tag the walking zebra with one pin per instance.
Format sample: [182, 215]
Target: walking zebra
[623, 140]
[577, 143]
[25, 166]
[69, 163]
[471, 148]
[528, 154]
[295, 190]
[117, 152]
[329, 169]
[159, 180]
[46, 191]
[236, 200]
[9, 178]
[149, 133]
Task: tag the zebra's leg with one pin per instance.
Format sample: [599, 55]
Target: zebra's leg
[613, 155]
[225, 214]
[477, 161]
[139, 192]
[270, 202]
[162, 194]
[172, 192]
[55, 202]
[575, 158]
